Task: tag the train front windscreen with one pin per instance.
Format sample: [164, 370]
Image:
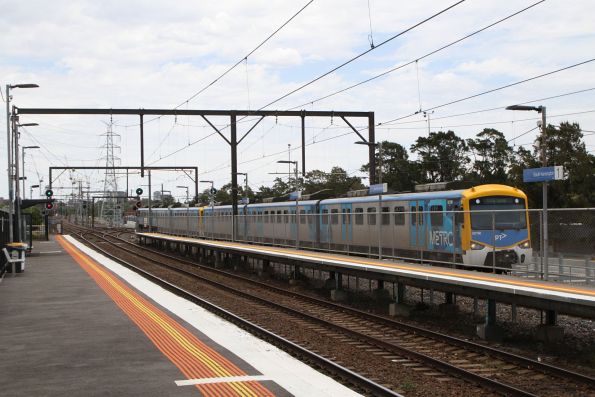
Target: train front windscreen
[498, 213]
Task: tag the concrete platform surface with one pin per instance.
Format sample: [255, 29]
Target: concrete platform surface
[79, 324]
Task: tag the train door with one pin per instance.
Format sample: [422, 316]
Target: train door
[346, 223]
[324, 223]
[417, 225]
[440, 226]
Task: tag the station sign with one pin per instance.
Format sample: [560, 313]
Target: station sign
[295, 195]
[543, 174]
[378, 188]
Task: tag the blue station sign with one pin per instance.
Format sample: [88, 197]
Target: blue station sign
[378, 189]
[543, 174]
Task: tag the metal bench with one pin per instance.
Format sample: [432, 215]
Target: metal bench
[20, 250]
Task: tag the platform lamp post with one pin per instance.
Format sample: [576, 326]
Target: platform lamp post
[17, 205]
[187, 194]
[212, 203]
[31, 190]
[23, 163]
[10, 149]
[297, 198]
[544, 230]
[245, 202]
[379, 146]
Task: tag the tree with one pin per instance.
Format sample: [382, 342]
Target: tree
[278, 189]
[492, 157]
[441, 157]
[398, 172]
[337, 182]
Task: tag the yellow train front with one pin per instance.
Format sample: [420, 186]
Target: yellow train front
[485, 226]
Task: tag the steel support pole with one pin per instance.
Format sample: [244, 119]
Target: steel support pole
[544, 164]
[142, 148]
[9, 157]
[234, 174]
[303, 117]
[17, 193]
[150, 194]
[371, 148]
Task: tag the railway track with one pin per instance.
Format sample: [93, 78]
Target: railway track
[435, 356]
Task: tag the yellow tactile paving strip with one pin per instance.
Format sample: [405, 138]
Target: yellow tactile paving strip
[193, 357]
[383, 264]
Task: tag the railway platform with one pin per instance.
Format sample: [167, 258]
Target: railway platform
[76, 323]
[552, 297]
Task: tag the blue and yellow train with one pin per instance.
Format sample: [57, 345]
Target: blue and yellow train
[483, 226]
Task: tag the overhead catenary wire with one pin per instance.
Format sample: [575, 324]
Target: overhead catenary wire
[415, 61]
[490, 91]
[334, 69]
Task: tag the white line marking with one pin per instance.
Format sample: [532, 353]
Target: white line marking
[228, 379]
[50, 252]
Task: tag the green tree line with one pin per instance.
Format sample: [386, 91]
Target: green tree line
[445, 157]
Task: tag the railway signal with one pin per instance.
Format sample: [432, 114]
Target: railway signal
[49, 205]
[49, 193]
[139, 191]
[138, 204]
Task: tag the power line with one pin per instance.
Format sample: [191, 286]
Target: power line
[496, 108]
[361, 55]
[492, 90]
[417, 59]
[245, 56]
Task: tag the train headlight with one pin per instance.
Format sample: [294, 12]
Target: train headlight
[525, 245]
[476, 246]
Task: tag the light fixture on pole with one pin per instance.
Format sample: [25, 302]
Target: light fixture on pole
[245, 175]
[23, 163]
[540, 109]
[297, 194]
[17, 204]
[379, 220]
[31, 190]
[10, 149]
[212, 203]
[187, 196]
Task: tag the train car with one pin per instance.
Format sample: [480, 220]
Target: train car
[484, 226]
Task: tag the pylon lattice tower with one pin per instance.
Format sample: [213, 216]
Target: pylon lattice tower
[111, 208]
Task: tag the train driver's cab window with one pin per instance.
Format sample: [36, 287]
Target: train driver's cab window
[359, 216]
[371, 216]
[399, 215]
[436, 215]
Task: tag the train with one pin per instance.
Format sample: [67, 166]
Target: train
[484, 226]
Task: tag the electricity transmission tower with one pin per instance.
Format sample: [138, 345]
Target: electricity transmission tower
[111, 211]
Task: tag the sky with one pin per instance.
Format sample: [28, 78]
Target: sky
[158, 54]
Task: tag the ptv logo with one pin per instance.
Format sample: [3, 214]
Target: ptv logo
[500, 237]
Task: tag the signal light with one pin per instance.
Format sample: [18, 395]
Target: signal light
[49, 193]
[49, 205]
[138, 204]
[139, 191]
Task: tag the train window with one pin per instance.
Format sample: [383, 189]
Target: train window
[302, 217]
[372, 216]
[385, 216]
[286, 217]
[413, 215]
[399, 216]
[279, 217]
[266, 217]
[325, 217]
[436, 215]
[347, 216]
[334, 216]
[420, 215]
[359, 216]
